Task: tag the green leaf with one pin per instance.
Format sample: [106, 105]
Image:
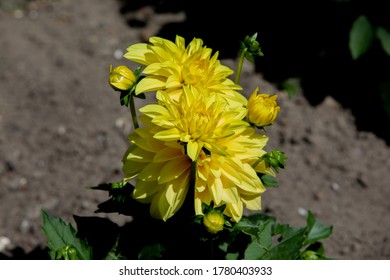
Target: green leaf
[259, 228]
[360, 37]
[290, 245]
[315, 230]
[250, 224]
[231, 256]
[384, 37]
[269, 181]
[114, 253]
[151, 252]
[261, 243]
[61, 236]
[292, 86]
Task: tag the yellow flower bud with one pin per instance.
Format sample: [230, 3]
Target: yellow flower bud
[262, 108]
[121, 78]
[214, 221]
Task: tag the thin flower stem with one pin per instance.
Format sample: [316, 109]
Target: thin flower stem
[133, 112]
[240, 64]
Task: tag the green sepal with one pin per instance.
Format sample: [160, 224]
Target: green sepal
[275, 159]
[251, 48]
[268, 181]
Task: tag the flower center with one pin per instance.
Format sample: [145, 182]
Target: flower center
[194, 71]
[197, 126]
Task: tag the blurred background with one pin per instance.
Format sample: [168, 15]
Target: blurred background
[62, 127]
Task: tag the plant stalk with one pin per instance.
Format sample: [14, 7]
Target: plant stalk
[240, 64]
[133, 112]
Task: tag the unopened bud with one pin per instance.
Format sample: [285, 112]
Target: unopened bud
[214, 221]
[262, 109]
[121, 78]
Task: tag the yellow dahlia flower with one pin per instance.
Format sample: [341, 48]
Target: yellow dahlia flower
[162, 169]
[201, 130]
[232, 180]
[198, 120]
[172, 65]
[262, 108]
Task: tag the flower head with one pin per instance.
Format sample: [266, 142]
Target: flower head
[200, 130]
[262, 109]
[232, 180]
[199, 120]
[172, 65]
[121, 78]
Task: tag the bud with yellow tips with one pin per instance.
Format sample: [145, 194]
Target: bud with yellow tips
[262, 109]
[214, 221]
[121, 78]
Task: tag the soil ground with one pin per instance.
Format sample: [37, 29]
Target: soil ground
[62, 129]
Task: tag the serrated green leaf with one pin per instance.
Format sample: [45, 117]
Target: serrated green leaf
[360, 37]
[315, 230]
[261, 243]
[250, 224]
[61, 235]
[384, 37]
[289, 247]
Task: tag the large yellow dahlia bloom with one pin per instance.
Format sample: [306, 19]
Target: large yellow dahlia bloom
[172, 65]
[198, 129]
[199, 120]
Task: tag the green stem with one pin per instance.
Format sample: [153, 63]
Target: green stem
[133, 112]
[240, 64]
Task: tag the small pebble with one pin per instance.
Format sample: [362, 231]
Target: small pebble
[118, 54]
[302, 211]
[5, 243]
[335, 186]
[61, 130]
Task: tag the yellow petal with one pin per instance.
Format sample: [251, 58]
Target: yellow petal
[144, 190]
[154, 110]
[168, 135]
[169, 200]
[252, 203]
[139, 52]
[216, 190]
[174, 169]
[151, 171]
[193, 149]
[167, 154]
[150, 83]
[234, 210]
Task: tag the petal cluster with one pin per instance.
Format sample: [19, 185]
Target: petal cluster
[172, 65]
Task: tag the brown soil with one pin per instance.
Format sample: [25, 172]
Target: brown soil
[62, 129]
